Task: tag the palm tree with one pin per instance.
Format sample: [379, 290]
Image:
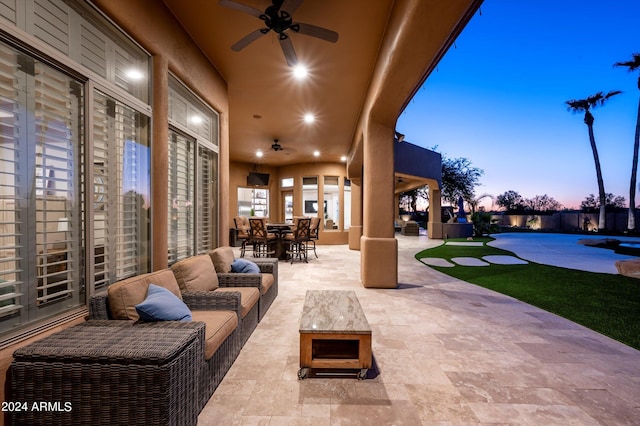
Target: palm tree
[585, 106]
[476, 201]
[633, 65]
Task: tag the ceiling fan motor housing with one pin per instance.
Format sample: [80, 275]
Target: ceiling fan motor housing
[276, 19]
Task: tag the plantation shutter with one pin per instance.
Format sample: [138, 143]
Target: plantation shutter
[181, 196]
[119, 220]
[207, 222]
[57, 223]
[40, 239]
[193, 137]
[12, 149]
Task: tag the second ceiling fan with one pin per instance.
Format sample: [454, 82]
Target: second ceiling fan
[278, 18]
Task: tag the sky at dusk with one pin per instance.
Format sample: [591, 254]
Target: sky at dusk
[497, 97]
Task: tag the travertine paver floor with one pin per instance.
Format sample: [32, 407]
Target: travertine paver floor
[447, 352]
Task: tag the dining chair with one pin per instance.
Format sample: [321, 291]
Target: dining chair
[314, 230]
[243, 232]
[262, 240]
[298, 240]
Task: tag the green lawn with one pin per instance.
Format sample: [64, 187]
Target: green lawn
[609, 304]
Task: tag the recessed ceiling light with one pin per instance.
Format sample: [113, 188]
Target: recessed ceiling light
[300, 72]
[258, 153]
[316, 153]
[343, 158]
[309, 118]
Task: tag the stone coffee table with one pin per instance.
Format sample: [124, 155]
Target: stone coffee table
[334, 334]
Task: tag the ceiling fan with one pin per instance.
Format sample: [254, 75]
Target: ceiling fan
[278, 17]
[277, 147]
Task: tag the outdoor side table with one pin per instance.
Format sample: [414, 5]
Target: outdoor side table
[110, 373]
[334, 334]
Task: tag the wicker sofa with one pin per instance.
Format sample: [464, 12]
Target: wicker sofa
[266, 280]
[220, 311]
[114, 363]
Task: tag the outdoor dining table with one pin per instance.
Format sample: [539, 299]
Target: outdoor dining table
[281, 229]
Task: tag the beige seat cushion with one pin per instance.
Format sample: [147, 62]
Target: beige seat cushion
[267, 282]
[222, 258]
[249, 296]
[126, 294]
[196, 273]
[219, 326]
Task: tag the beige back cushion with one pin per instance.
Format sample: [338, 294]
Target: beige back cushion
[196, 273]
[126, 294]
[222, 258]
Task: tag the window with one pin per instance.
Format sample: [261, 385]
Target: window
[181, 196]
[347, 203]
[193, 138]
[253, 202]
[121, 175]
[83, 36]
[310, 196]
[73, 199]
[207, 200]
[286, 183]
[41, 110]
[331, 195]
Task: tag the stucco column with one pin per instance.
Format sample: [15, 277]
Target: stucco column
[378, 246]
[160, 164]
[434, 227]
[355, 230]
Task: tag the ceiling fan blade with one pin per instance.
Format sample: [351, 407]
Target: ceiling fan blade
[248, 39]
[289, 51]
[290, 6]
[315, 31]
[241, 7]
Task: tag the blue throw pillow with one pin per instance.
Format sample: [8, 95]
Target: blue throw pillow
[244, 266]
[162, 305]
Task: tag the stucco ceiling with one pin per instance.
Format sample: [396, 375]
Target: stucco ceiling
[260, 83]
